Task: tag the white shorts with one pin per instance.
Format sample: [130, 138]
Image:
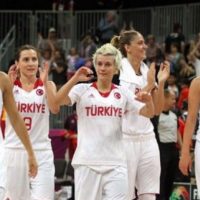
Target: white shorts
[3, 173]
[102, 184]
[2, 168]
[20, 186]
[197, 164]
[143, 160]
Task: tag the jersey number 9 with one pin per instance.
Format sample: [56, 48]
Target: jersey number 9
[28, 122]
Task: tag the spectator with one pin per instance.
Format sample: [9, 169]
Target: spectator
[174, 57]
[71, 132]
[51, 42]
[59, 73]
[73, 62]
[172, 84]
[61, 5]
[184, 92]
[186, 71]
[175, 37]
[153, 49]
[88, 46]
[107, 27]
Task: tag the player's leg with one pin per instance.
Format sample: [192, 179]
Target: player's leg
[87, 183]
[115, 184]
[42, 186]
[148, 175]
[17, 180]
[132, 155]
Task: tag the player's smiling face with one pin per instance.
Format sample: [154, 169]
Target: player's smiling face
[105, 67]
[28, 62]
[137, 48]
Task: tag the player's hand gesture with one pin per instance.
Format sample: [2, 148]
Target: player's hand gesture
[143, 97]
[33, 167]
[164, 71]
[185, 164]
[13, 73]
[44, 72]
[84, 74]
[151, 75]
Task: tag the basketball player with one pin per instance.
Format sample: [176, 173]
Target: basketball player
[185, 163]
[7, 101]
[99, 160]
[34, 97]
[138, 132]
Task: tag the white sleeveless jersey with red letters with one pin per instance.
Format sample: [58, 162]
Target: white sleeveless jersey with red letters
[134, 124]
[1, 107]
[34, 110]
[99, 123]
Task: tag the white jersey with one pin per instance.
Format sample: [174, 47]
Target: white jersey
[1, 108]
[134, 124]
[33, 108]
[198, 130]
[99, 123]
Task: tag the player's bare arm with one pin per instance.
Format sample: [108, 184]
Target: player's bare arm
[151, 82]
[158, 94]
[82, 74]
[193, 107]
[50, 89]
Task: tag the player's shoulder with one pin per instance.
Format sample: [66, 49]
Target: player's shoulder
[195, 82]
[81, 88]
[123, 89]
[83, 85]
[3, 76]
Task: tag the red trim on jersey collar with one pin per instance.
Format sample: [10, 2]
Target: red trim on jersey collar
[37, 83]
[103, 94]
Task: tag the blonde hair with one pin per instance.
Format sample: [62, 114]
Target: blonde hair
[109, 50]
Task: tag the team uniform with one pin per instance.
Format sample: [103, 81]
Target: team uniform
[2, 160]
[34, 110]
[197, 154]
[139, 139]
[99, 160]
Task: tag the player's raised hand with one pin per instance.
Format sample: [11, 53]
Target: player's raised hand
[13, 73]
[44, 72]
[151, 74]
[143, 97]
[164, 71]
[84, 74]
[33, 167]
